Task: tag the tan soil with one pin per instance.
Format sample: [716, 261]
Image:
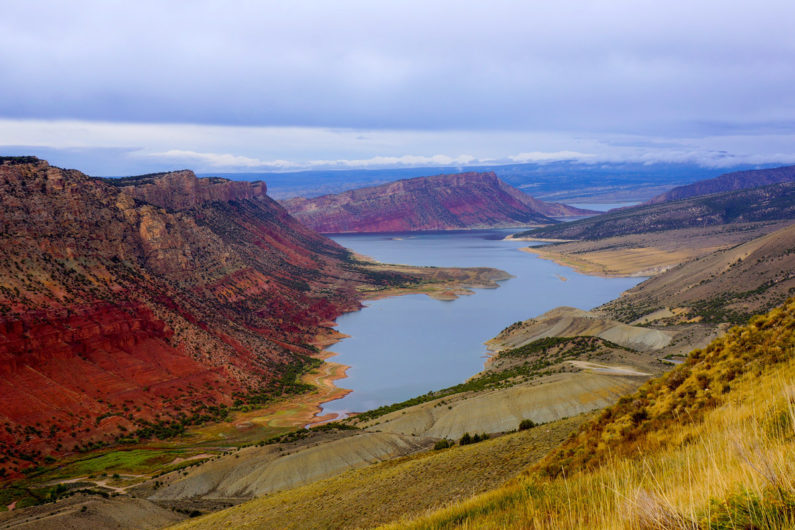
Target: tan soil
[256, 471]
[68, 514]
[572, 322]
[554, 397]
[648, 254]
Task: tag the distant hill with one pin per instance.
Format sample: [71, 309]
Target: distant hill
[768, 203]
[441, 202]
[554, 181]
[738, 180]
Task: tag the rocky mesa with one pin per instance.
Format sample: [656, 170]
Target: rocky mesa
[441, 202]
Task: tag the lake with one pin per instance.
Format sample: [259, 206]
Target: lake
[407, 345]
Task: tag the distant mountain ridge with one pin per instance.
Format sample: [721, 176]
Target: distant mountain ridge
[768, 203]
[737, 180]
[441, 202]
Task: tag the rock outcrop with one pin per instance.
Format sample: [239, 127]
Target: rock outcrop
[138, 307]
[181, 190]
[441, 202]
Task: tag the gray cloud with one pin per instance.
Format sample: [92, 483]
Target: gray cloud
[581, 67]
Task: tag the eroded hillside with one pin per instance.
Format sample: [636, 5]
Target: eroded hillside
[139, 307]
[708, 444]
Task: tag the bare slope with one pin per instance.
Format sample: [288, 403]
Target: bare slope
[83, 511]
[256, 471]
[728, 285]
[392, 490]
[441, 202]
[548, 399]
[570, 322]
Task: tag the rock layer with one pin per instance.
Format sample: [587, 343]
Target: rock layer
[441, 202]
[142, 305]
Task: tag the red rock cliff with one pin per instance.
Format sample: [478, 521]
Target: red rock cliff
[441, 202]
[181, 190]
[147, 301]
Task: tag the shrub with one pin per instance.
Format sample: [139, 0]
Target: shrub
[444, 443]
[526, 424]
[467, 439]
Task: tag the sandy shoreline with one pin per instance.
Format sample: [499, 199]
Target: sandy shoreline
[623, 263]
[580, 265]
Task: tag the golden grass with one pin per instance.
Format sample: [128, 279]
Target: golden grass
[725, 463]
[711, 444]
[387, 491]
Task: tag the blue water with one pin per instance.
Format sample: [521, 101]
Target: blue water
[404, 346]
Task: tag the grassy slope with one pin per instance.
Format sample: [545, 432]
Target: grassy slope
[709, 444]
[405, 487]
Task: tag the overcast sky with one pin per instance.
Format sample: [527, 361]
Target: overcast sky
[124, 86]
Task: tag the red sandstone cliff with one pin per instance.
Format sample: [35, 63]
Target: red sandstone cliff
[441, 202]
[181, 190]
[147, 302]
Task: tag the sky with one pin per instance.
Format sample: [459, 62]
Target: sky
[119, 87]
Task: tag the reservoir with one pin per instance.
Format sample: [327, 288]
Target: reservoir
[404, 346]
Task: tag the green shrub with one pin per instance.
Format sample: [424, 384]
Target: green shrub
[467, 439]
[444, 443]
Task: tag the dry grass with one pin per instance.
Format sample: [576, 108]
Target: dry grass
[725, 464]
[709, 445]
[389, 490]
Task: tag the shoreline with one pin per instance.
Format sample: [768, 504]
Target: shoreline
[448, 290]
[603, 270]
[580, 265]
[330, 373]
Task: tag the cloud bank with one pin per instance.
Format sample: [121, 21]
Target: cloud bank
[249, 85]
[620, 66]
